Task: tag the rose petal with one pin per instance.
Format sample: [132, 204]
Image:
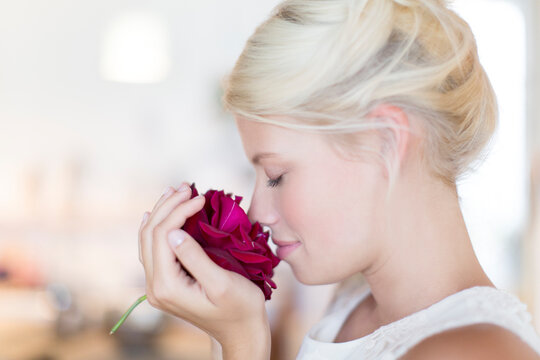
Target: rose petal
[269, 281]
[241, 245]
[225, 260]
[248, 256]
[232, 215]
[245, 237]
[265, 267]
[191, 226]
[214, 237]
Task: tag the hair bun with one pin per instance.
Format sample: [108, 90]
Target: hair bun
[326, 64]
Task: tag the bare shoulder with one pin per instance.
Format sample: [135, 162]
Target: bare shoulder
[478, 341]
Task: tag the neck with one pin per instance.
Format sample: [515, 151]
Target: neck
[426, 254]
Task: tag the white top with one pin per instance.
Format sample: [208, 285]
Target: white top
[479, 304]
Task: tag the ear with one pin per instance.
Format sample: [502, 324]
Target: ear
[399, 132]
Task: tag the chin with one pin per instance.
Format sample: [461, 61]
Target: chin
[309, 278]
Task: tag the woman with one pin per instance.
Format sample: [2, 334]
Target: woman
[359, 116]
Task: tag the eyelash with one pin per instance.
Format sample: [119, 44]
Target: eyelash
[273, 182]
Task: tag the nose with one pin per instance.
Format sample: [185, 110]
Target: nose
[261, 208]
[250, 212]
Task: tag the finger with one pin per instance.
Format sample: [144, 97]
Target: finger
[164, 261]
[155, 217]
[212, 278]
[166, 193]
[166, 204]
[145, 248]
[144, 220]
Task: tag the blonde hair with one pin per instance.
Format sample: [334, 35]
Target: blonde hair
[327, 63]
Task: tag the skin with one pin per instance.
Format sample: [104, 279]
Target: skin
[479, 341]
[413, 251]
[223, 303]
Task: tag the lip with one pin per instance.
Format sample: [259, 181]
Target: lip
[283, 243]
[285, 248]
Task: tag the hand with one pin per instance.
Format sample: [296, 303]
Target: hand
[224, 304]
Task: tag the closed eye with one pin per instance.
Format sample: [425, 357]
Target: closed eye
[274, 182]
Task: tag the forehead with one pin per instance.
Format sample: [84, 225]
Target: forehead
[263, 137]
[251, 128]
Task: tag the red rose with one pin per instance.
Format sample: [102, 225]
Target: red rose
[224, 231]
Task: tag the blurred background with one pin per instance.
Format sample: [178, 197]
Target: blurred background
[105, 103]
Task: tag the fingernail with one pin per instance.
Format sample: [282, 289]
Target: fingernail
[176, 237]
[145, 217]
[183, 187]
[167, 191]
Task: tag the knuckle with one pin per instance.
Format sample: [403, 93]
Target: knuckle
[144, 220]
[140, 236]
[144, 233]
[159, 230]
[222, 289]
[142, 230]
[190, 205]
[186, 192]
[188, 255]
[151, 298]
[161, 293]
[187, 252]
[180, 197]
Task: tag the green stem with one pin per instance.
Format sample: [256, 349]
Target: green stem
[123, 318]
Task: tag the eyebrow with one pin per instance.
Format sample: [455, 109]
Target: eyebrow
[257, 158]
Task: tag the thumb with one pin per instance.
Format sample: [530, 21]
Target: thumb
[192, 256]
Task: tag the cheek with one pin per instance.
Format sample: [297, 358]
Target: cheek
[361, 212]
[335, 216]
[297, 206]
